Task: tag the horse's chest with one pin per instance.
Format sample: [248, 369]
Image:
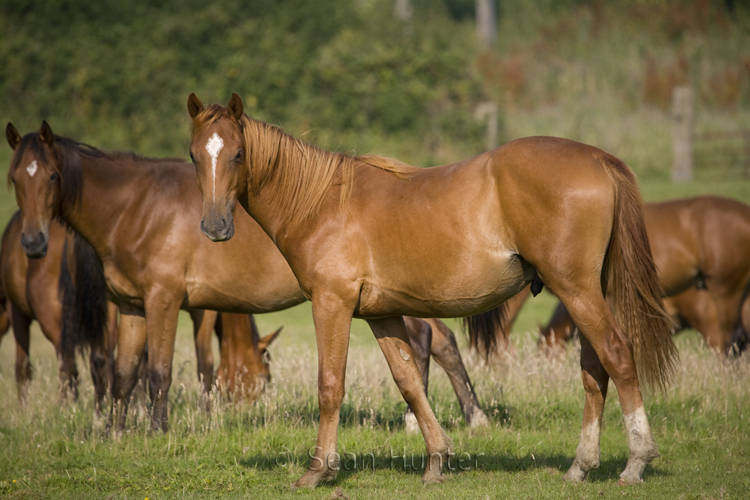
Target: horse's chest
[121, 287]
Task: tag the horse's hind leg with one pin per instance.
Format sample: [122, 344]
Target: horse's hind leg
[420, 338]
[595, 382]
[394, 342]
[445, 351]
[21, 325]
[589, 311]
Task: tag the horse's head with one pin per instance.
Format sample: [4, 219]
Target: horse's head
[264, 367]
[217, 150]
[249, 373]
[35, 172]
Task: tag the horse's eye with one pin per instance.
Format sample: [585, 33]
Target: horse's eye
[192, 158]
[54, 177]
[239, 156]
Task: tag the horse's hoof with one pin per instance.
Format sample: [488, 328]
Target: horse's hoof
[575, 474]
[479, 419]
[627, 480]
[433, 477]
[311, 479]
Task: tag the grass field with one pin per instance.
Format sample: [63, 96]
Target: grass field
[53, 451]
[48, 450]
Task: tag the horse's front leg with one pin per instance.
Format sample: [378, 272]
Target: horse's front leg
[162, 310]
[394, 342]
[332, 318]
[130, 345]
[203, 328]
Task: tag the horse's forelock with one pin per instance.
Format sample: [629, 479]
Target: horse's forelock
[209, 116]
[31, 141]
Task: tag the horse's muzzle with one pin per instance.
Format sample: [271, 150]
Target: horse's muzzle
[218, 229]
[34, 246]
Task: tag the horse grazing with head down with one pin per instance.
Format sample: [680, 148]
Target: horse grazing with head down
[700, 248]
[372, 238]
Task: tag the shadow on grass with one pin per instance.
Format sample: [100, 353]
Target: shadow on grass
[415, 463]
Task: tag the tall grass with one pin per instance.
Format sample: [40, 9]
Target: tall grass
[534, 404]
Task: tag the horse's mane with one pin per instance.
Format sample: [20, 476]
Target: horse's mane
[71, 178]
[302, 174]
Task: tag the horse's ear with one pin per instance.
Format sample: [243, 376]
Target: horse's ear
[268, 339]
[14, 138]
[194, 105]
[235, 106]
[45, 132]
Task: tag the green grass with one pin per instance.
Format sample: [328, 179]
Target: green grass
[54, 451]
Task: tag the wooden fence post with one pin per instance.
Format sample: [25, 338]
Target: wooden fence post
[682, 134]
[489, 111]
[486, 13]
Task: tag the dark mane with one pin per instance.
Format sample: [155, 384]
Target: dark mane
[71, 178]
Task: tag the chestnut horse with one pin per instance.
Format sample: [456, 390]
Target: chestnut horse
[244, 367]
[694, 308]
[44, 290]
[139, 215]
[701, 247]
[372, 238]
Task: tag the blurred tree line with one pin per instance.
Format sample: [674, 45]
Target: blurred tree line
[117, 74]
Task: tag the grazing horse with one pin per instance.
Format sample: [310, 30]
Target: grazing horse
[704, 242]
[372, 238]
[701, 247]
[44, 290]
[244, 367]
[140, 215]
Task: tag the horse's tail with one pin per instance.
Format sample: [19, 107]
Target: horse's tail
[631, 285]
[83, 291]
[485, 328]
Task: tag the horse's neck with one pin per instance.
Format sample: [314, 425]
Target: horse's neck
[101, 201]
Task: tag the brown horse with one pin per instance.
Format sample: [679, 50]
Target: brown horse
[705, 242]
[244, 367]
[700, 247]
[44, 290]
[372, 238]
[139, 215]
[694, 308]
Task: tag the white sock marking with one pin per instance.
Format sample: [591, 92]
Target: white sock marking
[213, 146]
[32, 168]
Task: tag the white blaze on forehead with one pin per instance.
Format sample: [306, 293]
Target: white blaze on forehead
[213, 146]
[32, 168]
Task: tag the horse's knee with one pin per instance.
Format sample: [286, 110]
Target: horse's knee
[159, 381]
[330, 392]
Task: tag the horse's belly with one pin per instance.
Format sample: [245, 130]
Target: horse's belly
[239, 299]
[445, 296]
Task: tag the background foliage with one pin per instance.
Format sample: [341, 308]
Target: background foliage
[116, 74]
